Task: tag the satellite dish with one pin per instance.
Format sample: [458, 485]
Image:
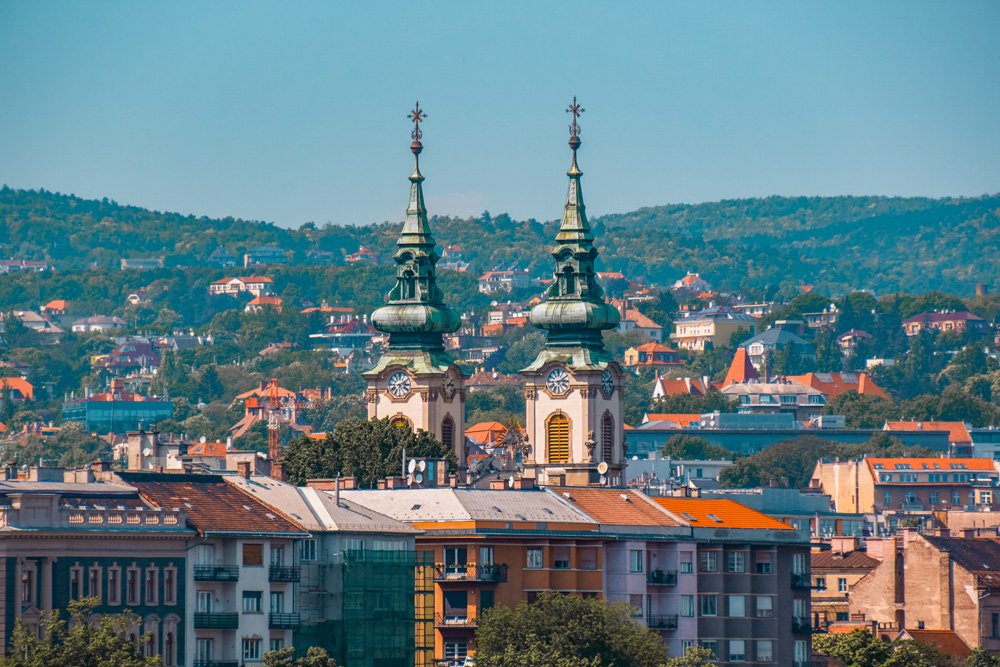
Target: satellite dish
[604, 480]
[147, 451]
[203, 439]
[418, 478]
[602, 467]
[422, 466]
[412, 465]
[409, 479]
[510, 481]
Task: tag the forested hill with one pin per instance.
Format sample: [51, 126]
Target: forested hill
[835, 243]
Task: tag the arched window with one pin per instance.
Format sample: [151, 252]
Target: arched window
[400, 422]
[448, 433]
[568, 281]
[409, 285]
[607, 437]
[168, 650]
[557, 436]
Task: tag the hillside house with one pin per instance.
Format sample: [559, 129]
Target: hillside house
[142, 263]
[255, 285]
[948, 320]
[262, 255]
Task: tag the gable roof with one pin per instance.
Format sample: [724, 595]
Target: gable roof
[682, 420]
[696, 512]
[741, 369]
[945, 641]
[693, 386]
[217, 449]
[58, 304]
[956, 430]
[633, 315]
[618, 507]
[776, 337]
[835, 384]
[485, 432]
[953, 316]
[19, 385]
[854, 560]
[980, 556]
[929, 464]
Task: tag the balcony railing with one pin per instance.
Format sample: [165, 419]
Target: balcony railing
[449, 621]
[284, 573]
[492, 574]
[801, 581]
[662, 577]
[216, 620]
[283, 621]
[801, 625]
[914, 506]
[216, 663]
[216, 572]
[662, 622]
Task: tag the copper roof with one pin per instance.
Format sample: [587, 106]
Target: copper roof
[211, 505]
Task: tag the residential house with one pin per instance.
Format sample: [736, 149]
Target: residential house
[347, 333]
[740, 369]
[222, 258]
[959, 440]
[137, 297]
[242, 570]
[834, 384]
[652, 355]
[452, 260]
[56, 307]
[257, 407]
[363, 257]
[142, 263]
[508, 280]
[42, 324]
[693, 386]
[633, 320]
[774, 341]
[261, 302]
[16, 389]
[713, 327]
[485, 433]
[948, 320]
[255, 285]
[136, 356]
[773, 397]
[12, 265]
[835, 571]
[693, 282]
[755, 310]
[98, 323]
[932, 582]
[825, 319]
[261, 255]
[491, 379]
[849, 340]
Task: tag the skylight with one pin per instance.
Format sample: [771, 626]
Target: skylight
[415, 508]
[714, 518]
[498, 509]
[688, 516]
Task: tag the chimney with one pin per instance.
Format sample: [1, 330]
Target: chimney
[982, 289]
[969, 533]
[524, 483]
[243, 469]
[278, 470]
[498, 484]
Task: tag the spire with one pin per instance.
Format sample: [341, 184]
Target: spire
[575, 312]
[416, 315]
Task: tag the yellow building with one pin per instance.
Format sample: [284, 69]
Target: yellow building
[714, 325]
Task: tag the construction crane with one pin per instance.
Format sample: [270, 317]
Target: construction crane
[273, 423]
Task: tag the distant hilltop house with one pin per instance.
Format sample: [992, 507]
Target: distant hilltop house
[55, 307]
[849, 340]
[98, 323]
[261, 302]
[757, 310]
[257, 407]
[346, 333]
[222, 258]
[714, 326]
[38, 323]
[775, 397]
[633, 320]
[256, 285]
[451, 258]
[835, 384]
[508, 281]
[773, 341]
[948, 320]
[652, 355]
[142, 263]
[264, 254]
[12, 265]
[959, 441]
[693, 282]
[132, 357]
[363, 257]
[825, 319]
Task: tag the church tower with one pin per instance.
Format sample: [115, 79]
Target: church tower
[416, 383]
[574, 387]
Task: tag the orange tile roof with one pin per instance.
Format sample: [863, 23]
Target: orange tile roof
[208, 449]
[264, 391]
[654, 347]
[266, 301]
[685, 421]
[678, 387]
[741, 369]
[956, 430]
[839, 383]
[485, 432]
[929, 464]
[607, 506]
[633, 315]
[730, 514]
[945, 641]
[3, 428]
[58, 304]
[18, 384]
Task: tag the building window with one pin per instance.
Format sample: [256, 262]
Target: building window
[709, 605]
[251, 649]
[841, 585]
[251, 602]
[94, 584]
[607, 437]
[151, 587]
[560, 558]
[842, 616]
[737, 650]
[132, 586]
[354, 544]
[765, 606]
[737, 606]
[956, 498]
[75, 583]
[765, 650]
[711, 645]
[277, 556]
[456, 651]
[277, 644]
[534, 558]
[687, 605]
[636, 601]
[557, 435]
[635, 560]
[821, 583]
[448, 433]
[798, 563]
[114, 585]
[307, 549]
[763, 560]
[686, 565]
[170, 585]
[203, 650]
[588, 558]
[277, 602]
[709, 561]
[887, 498]
[169, 650]
[933, 498]
[801, 651]
[205, 554]
[485, 555]
[737, 561]
[203, 602]
[253, 554]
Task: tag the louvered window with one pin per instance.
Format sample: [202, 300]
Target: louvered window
[448, 433]
[607, 437]
[558, 444]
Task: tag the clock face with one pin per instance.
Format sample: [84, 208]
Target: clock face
[449, 387]
[558, 381]
[399, 384]
[607, 383]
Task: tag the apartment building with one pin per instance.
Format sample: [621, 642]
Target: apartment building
[713, 327]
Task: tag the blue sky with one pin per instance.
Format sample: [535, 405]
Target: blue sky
[296, 111]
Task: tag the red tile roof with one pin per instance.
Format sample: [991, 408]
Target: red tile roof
[210, 504]
[956, 430]
[930, 464]
[741, 369]
[485, 432]
[678, 387]
[727, 513]
[835, 384]
[684, 421]
[58, 304]
[208, 449]
[20, 385]
[854, 560]
[608, 506]
[945, 641]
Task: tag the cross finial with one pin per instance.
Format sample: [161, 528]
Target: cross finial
[576, 110]
[417, 116]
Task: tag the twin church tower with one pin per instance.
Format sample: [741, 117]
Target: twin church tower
[573, 390]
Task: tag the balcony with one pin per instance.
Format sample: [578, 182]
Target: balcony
[490, 574]
[801, 581]
[216, 620]
[284, 573]
[216, 663]
[662, 577]
[216, 572]
[458, 622]
[283, 621]
[911, 506]
[801, 625]
[662, 622]
[982, 482]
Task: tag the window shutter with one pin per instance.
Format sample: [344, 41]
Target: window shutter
[253, 554]
[558, 445]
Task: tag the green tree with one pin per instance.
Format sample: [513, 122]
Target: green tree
[102, 644]
[367, 449]
[522, 353]
[566, 631]
[682, 446]
[980, 657]
[862, 410]
[694, 656]
[314, 657]
[690, 404]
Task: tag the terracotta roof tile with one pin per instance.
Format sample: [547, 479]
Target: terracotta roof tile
[855, 560]
[916, 464]
[956, 430]
[945, 641]
[684, 421]
[835, 384]
[728, 513]
[607, 506]
[741, 369]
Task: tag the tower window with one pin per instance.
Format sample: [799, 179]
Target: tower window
[448, 433]
[558, 439]
[607, 437]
